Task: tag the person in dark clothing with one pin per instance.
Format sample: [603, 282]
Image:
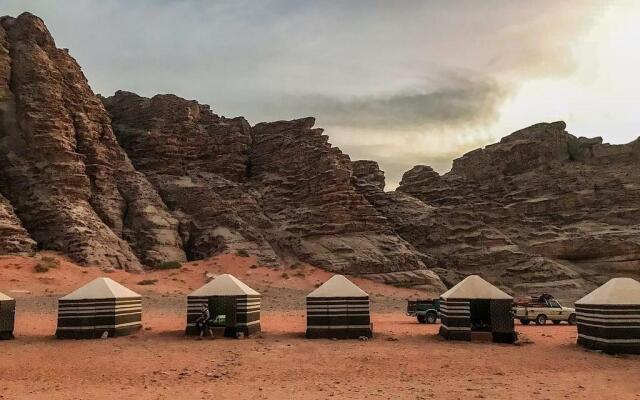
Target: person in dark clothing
[204, 321]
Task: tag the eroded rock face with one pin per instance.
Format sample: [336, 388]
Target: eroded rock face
[542, 209]
[13, 237]
[304, 186]
[175, 181]
[166, 179]
[278, 191]
[198, 162]
[73, 187]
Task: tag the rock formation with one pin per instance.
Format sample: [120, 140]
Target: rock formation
[128, 181]
[175, 181]
[198, 162]
[13, 237]
[72, 186]
[304, 186]
[540, 210]
[278, 190]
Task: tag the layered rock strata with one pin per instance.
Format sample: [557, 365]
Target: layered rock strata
[14, 239]
[277, 190]
[305, 187]
[198, 162]
[127, 181]
[540, 209]
[73, 187]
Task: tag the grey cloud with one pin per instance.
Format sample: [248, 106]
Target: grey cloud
[461, 102]
[244, 56]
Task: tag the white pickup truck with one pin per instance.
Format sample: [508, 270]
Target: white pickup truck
[541, 309]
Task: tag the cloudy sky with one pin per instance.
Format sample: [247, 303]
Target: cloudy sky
[402, 82]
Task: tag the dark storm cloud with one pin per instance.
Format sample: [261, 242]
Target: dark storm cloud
[454, 104]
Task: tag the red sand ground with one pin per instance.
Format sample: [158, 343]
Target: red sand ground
[17, 276]
[405, 360]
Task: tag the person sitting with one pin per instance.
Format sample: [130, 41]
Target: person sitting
[204, 321]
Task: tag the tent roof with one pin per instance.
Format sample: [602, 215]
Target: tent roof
[616, 291]
[224, 285]
[4, 297]
[101, 288]
[338, 286]
[474, 287]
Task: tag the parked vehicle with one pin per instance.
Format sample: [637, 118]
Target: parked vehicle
[425, 310]
[541, 309]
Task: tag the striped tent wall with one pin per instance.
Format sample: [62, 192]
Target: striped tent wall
[243, 313]
[7, 318]
[610, 328]
[338, 317]
[84, 319]
[455, 318]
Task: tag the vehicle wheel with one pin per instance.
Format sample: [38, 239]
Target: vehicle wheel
[572, 319]
[541, 319]
[525, 321]
[556, 322]
[422, 319]
[431, 318]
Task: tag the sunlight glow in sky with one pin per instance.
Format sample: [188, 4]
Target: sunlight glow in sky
[601, 97]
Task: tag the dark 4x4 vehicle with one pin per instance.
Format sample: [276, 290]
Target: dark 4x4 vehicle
[426, 310]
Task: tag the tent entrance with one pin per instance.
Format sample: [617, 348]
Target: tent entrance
[223, 310]
[480, 315]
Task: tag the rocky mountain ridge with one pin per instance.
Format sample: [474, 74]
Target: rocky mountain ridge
[540, 210]
[127, 181]
[278, 191]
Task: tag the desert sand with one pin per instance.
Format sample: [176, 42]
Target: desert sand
[405, 360]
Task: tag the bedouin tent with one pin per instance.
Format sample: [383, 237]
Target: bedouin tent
[338, 309]
[7, 316]
[231, 303]
[100, 306]
[475, 305]
[608, 318]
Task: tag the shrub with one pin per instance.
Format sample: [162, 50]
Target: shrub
[169, 265]
[46, 263]
[242, 253]
[40, 268]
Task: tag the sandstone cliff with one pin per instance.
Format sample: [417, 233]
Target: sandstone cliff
[304, 186]
[13, 237]
[278, 190]
[128, 181]
[175, 181]
[541, 209]
[73, 187]
[198, 162]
